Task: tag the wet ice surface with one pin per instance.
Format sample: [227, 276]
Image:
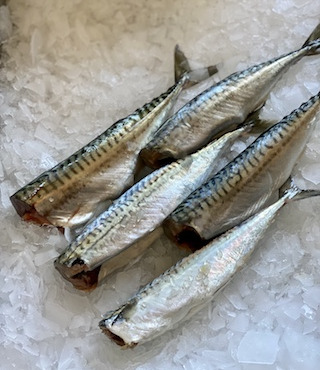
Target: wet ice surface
[68, 71]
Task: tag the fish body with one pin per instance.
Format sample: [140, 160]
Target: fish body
[68, 194]
[138, 212]
[77, 188]
[221, 107]
[193, 282]
[245, 184]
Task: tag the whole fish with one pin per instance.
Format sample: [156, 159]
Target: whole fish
[193, 282]
[221, 107]
[245, 184]
[69, 194]
[136, 214]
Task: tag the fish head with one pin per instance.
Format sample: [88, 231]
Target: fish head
[26, 209]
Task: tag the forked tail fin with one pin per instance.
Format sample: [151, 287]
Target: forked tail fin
[292, 192]
[181, 63]
[313, 42]
[182, 67]
[315, 35]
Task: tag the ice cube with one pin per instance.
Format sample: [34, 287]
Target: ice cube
[258, 348]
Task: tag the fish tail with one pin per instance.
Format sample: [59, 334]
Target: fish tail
[182, 68]
[181, 64]
[304, 194]
[315, 35]
[313, 42]
[256, 125]
[291, 191]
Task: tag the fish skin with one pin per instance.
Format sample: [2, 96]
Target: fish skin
[193, 282]
[128, 256]
[246, 184]
[78, 188]
[88, 280]
[221, 107]
[67, 194]
[138, 212]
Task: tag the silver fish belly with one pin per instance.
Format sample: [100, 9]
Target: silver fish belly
[137, 213]
[221, 107]
[246, 184]
[193, 282]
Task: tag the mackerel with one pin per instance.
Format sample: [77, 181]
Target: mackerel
[74, 190]
[193, 282]
[246, 184]
[130, 220]
[221, 107]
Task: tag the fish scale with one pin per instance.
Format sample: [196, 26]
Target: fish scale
[194, 281]
[104, 140]
[138, 213]
[245, 184]
[221, 107]
[49, 195]
[78, 188]
[117, 212]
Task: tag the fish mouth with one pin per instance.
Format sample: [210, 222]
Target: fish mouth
[184, 236]
[79, 275]
[155, 159]
[115, 338]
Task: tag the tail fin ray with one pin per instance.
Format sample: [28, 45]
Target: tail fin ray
[293, 192]
[315, 35]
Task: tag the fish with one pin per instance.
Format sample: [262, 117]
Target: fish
[221, 107]
[76, 189]
[245, 184]
[129, 221]
[193, 282]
